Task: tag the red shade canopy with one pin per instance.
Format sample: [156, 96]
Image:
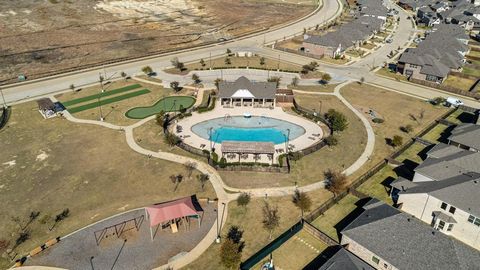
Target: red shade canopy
[171, 210]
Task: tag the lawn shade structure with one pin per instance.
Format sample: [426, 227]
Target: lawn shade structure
[170, 212]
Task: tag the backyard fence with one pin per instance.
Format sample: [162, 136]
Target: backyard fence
[446, 88]
[318, 234]
[272, 246]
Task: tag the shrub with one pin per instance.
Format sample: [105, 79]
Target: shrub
[206, 152]
[243, 199]
[171, 139]
[397, 141]
[295, 156]
[407, 129]
[331, 140]
[209, 108]
[281, 158]
[223, 162]
[378, 120]
[214, 157]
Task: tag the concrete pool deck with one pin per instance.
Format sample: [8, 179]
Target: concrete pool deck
[302, 142]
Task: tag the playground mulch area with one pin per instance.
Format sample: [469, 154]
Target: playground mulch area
[119, 97]
[131, 250]
[50, 165]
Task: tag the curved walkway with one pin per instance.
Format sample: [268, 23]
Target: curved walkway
[219, 186]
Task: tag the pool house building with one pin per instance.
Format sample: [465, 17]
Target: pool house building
[246, 93]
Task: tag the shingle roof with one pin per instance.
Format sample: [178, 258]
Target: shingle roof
[345, 260]
[258, 89]
[442, 150]
[461, 191]
[467, 134]
[408, 243]
[450, 166]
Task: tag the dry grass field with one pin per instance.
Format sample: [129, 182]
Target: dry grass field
[40, 37]
[249, 219]
[51, 165]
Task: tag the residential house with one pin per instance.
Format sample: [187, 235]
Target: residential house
[442, 51]
[388, 238]
[345, 260]
[244, 92]
[466, 136]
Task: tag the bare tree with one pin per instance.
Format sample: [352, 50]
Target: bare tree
[336, 181]
[176, 179]
[124, 75]
[72, 87]
[203, 178]
[302, 201]
[271, 220]
[190, 167]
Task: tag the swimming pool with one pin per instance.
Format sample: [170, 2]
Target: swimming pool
[252, 129]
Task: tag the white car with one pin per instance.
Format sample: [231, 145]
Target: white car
[455, 102]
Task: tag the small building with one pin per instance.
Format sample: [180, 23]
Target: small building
[246, 93]
[239, 149]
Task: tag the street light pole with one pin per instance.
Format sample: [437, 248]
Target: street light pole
[3, 98]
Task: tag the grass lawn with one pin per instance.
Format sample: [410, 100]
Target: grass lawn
[315, 88]
[474, 53]
[396, 109]
[460, 83]
[335, 61]
[471, 71]
[460, 117]
[368, 46]
[311, 168]
[326, 222]
[238, 62]
[106, 101]
[166, 104]
[377, 186]
[394, 75]
[435, 135]
[94, 97]
[50, 165]
[295, 254]
[249, 220]
[150, 136]
[115, 112]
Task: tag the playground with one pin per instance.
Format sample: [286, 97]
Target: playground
[112, 243]
[167, 104]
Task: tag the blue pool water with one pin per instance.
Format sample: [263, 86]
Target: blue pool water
[253, 129]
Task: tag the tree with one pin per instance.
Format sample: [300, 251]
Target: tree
[229, 52]
[275, 79]
[101, 79]
[63, 215]
[202, 62]
[336, 181]
[190, 167]
[124, 75]
[271, 220]
[196, 78]
[397, 141]
[338, 121]
[175, 86]
[326, 78]
[176, 180]
[228, 61]
[422, 114]
[262, 61]
[203, 178]
[295, 81]
[160, 118]
[302, 201]
[230, 254]
[217, 82]
[147, 70]
[407, 128]
[72, 87]
[362, 80]
[177, 64]
[22, 237]
[243, 199]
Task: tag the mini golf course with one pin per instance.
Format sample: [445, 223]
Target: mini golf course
[167, 104]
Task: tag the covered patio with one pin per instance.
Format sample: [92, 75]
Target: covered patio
[232, 149]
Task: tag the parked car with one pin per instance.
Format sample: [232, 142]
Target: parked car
[389, 40]
[453, 101]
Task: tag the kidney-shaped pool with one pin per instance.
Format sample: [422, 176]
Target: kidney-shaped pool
[249, 129]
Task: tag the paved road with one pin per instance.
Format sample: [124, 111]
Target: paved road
[330, 10]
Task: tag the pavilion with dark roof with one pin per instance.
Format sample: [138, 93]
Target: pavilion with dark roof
[246, 93]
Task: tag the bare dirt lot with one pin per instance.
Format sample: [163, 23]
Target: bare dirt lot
[42, 37]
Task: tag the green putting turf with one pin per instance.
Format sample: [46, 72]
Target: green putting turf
[100, 95]
[168, 104]
[108, 101]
